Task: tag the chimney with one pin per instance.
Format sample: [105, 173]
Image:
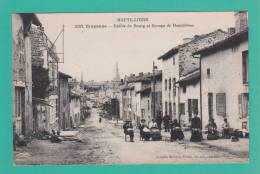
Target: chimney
[186, 40]
[231, 30]
[241, 21]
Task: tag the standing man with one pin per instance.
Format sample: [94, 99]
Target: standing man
[226, 129]
[166, 122]
[159, 122]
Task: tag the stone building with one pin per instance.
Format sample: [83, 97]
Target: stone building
[75, 112]
[178, 63]
[64, 101]
[22, 72]
[45, 74]
[189, 95]
[141, 97]
[225, 78]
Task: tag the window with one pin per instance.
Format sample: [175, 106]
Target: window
[57, 105]
[170, 108]
[208, 73]
[245, 66]
[245, 125]
[64, 101]
[166, 105]
[184, 89]
[174, 109]
[165, 84]
[210, 105]
[182, 108]
[173, 60]
[190, 109]
[148, 105]
[243, 104]
[173, 86]
[143, 112]
[221, 104]
[195, 106]
[19, 101]
[170, 83]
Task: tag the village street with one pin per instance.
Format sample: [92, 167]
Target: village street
[103, 143]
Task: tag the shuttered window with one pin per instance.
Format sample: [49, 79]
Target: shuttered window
[173, 86]
[174, 109]
[170, 108]
[195, 106]
[182, 108]
[166, 107]
[221, 104]
[243, 105]
[165, 84]
[245, 66]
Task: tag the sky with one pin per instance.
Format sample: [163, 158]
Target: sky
[95, 51]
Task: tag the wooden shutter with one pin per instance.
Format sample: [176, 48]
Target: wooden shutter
[182, 108]
[240, 105]
[221, 104]
[170, 108]
[195, 106]
[174, 109]
[245, 66]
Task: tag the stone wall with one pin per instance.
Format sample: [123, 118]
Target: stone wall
[38, 49]
[187, 63]
[22, 75]
[64, 111]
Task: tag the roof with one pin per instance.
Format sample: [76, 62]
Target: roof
[175, 50]
[147, 89]
[170, 53]
[195, 75]
[31, 17]
[61, 74]
[127, 88]
[225, 43]
[74, 94]
[41, 101]
[144, 77]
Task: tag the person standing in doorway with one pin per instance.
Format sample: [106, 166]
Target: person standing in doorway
[166, 121]
[196, 135]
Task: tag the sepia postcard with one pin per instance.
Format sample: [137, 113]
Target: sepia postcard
[130, 88]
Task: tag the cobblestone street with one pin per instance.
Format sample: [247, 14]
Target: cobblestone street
[103, 143]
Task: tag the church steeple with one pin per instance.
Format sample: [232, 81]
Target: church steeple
[117, 77]
[81, 81]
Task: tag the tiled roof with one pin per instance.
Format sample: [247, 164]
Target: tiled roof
[147, 89]
[191, 76]
[64, 75]
[225, 43]
[175, 50]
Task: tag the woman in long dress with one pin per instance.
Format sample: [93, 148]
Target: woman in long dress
[176, 132]
[196, 135]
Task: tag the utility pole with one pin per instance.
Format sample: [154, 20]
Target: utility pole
[153, 89]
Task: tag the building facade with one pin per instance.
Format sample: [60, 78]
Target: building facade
[177, 64]
[189, 97]
[45, 74]
[141, 97]
[64, 101]
[22, 72]
[225, 80]
[75, 113]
